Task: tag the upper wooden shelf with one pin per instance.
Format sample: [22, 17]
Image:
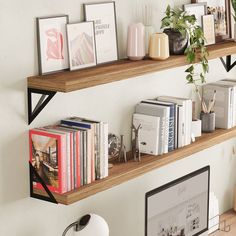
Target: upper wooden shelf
[123, 69]
[121, 173]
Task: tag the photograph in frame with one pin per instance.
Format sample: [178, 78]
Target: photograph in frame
[52, 44]
[197, 9]
[180, 207]
[81, 45]
[220, 9]
[104, 17]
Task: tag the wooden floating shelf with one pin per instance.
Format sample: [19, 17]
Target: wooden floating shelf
[123, 69]
[121, 173]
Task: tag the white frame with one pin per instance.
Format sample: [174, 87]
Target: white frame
[197, 9]
[78, 57]
[104, 17]
[50, 58]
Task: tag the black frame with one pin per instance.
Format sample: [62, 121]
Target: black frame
[175, 182]
[39, 43]
[115, 20]
[228, 34]
[95, 47]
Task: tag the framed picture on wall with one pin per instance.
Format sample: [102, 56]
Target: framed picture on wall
[104, 17]
[180, 207]
[197, 9]
[52, 44]
[220, 9]
[81, 45]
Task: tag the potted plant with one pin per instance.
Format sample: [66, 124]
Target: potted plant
[233, 2]
[186, 37]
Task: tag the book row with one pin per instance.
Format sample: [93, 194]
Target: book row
[165, 124]
[70, 154]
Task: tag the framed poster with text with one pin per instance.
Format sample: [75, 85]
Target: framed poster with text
[104, 17]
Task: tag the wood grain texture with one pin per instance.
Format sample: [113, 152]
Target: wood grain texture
[230, 218]
[123, 69]
[121, 173]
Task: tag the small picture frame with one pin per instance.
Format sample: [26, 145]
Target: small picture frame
[222, 17]
[104, 17]
[81, 45]
[52, 44]
[197, 9]
[208, 27]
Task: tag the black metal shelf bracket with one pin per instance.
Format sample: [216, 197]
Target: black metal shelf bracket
[45, 98]
[34, 174]
[227, 64]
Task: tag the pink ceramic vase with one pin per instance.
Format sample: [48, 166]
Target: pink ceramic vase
[136, 42]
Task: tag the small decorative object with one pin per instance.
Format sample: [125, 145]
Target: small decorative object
[52, 44]
[221, 12]
[208, 122]
[159, 46]
[104, 17]
[113, 147]
[136, 42]
[196, 128]
[234, 16]
[198, 10]
[122, 151]
[179, 20]
[89, 225]
[81, 45]
[136, 143]
[180, 207]
[208, 26]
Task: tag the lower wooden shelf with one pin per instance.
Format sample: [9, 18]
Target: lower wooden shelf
[121, 173]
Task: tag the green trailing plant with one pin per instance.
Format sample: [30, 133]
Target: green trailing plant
[179, 20]
[233, 2]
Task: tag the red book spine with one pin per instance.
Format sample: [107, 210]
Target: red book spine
[78, 158]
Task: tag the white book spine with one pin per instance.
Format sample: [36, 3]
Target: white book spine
[166, 131]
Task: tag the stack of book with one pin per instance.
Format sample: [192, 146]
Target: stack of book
[71, 154]
[224, 102]
[165, 124]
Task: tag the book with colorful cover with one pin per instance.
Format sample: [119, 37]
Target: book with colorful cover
[48, 157]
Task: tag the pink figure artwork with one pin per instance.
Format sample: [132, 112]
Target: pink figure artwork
[54, 44]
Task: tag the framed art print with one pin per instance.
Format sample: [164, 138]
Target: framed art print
[104, 17]
[197, 9]
[220, 9]
[179, 208]
[52, 44]
[81, 45]
[208, 27]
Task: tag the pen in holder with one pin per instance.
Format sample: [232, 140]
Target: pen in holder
[208, 122]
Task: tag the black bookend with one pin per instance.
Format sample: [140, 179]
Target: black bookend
[33, 173]
[45, 98]
[227, 64]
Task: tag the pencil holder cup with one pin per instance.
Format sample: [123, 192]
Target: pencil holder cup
[208, 122]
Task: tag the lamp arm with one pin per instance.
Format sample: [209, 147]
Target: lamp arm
[76, 223]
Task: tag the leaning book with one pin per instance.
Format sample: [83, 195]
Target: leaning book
[48, 157]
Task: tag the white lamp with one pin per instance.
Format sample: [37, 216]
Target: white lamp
[89, 225]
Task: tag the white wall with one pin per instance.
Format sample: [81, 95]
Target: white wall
[121, 206]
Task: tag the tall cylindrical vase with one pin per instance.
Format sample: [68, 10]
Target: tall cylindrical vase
[136, 42]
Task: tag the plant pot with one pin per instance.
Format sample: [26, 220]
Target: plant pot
[208, 122]
[177, 43]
